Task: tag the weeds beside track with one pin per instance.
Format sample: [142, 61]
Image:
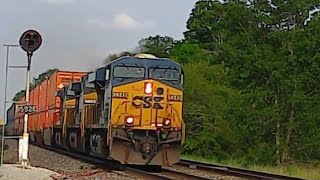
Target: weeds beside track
[239, 172]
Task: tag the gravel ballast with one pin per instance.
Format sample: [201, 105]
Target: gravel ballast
[11, 171]
[63, 167]
[67, 167]
[207, 174]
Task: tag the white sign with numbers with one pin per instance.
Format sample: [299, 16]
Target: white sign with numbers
[27, 109]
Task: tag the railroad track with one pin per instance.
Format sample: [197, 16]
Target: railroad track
[239, 172]
[166, 174]
[134, 171]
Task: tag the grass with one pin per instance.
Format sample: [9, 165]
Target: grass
[305, 171]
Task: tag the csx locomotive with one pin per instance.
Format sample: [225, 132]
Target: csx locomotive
[129, 110]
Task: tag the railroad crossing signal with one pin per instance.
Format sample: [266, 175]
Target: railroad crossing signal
[30, 41]
[27, 109]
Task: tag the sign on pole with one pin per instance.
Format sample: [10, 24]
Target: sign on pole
[27, 109]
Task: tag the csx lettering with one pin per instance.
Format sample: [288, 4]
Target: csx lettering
[147, 102]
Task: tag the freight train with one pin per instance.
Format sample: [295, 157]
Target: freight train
[129, 110]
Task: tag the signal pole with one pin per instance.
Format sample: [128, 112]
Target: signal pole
[30, 41]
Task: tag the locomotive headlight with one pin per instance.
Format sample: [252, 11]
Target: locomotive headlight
[129, 120]
[148, 87]
[166, 122]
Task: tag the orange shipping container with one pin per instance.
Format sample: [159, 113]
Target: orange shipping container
[41, 121]
[32, 118]
[31, 97]
[36, 122]
[57, 81]
[43, 96]
[50, 118]
[36, 97]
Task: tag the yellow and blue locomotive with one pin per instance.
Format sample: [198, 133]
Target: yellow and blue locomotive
[129, 110]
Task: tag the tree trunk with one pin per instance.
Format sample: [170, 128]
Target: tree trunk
[285, 154]
[278, 143]
[278, 131]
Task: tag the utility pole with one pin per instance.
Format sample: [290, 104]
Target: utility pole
[30, 41]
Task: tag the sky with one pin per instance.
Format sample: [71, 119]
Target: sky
[78, 34]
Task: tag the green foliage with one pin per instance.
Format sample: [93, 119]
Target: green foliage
[206, 98]
[273, 63]
[186, 52]
[157, 45]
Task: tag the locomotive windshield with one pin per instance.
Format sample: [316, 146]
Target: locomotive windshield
[128, 71]
[164, 74]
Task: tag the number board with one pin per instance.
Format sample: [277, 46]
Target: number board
[89, 101]
[27, 109]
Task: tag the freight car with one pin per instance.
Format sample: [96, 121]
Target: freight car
[129, 110]
[42, 95]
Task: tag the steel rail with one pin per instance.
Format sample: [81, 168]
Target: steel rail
[165, 174]
[240, 172]
[180, 175]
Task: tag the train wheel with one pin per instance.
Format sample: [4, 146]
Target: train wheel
[153, 168]
[120, 167]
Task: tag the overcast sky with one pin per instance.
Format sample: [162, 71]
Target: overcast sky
[78, 34]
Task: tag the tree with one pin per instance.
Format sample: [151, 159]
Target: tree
[157, 45]
[186, 52]
[262, 53]
[206, 99]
